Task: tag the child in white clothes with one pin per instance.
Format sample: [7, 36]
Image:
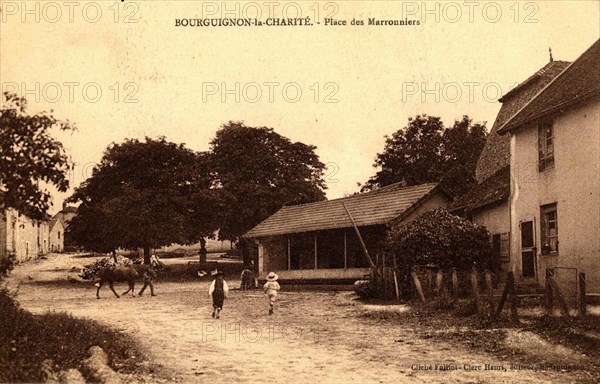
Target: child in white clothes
[271, 288]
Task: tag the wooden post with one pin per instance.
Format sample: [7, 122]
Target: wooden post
[512, 296]
[417, 283]
[455, 283]
[559, 296]
[429, 281]
[439, 279]
[289, 254]
[360, 239]
[490, 289]
[549, 294]
[475, 289]
[502, 300]
[396, 285]
[316, 251]
[345, 251]
[581, 294]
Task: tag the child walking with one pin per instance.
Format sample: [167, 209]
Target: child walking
[218, 290]
[271, 287]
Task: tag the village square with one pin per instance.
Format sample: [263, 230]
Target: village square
[189, 236]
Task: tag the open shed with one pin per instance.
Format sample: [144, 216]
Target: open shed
[317, 242]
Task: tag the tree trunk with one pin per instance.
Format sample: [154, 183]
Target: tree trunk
[114, 254]
[202, 252]
[246, 257]
[146, 255]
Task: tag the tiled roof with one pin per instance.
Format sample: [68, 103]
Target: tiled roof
[579, 81]
[494, 189]
[371, 208]
[496, 153]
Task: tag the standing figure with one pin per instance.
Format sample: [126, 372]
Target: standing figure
[271, 288]
[218, 290]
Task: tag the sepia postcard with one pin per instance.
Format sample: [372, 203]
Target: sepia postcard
[356, 191]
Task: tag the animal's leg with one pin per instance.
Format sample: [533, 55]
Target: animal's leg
[99, 285]
[110, 284]
[143, 289]
[127, 291]
[132, 288]
[151, 288]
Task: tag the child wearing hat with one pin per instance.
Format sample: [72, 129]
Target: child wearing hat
[271, 287]
[218, 290]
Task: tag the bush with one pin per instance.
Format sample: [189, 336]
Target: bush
[441, 239]
[7, 264]
[26, 340]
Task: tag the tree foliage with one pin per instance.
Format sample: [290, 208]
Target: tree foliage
[30, 155]
[441, 239]
[145, 195]
[425, 151]
[260, 171]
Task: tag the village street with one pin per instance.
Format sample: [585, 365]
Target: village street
[327, 337]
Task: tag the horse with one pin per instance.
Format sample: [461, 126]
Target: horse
[127, 274]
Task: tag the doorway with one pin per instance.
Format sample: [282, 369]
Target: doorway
[528, 249]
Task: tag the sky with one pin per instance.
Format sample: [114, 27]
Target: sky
[133, 69]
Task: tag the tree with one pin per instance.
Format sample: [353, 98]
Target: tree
[29, 156]
[144, 195]
[462, 144]
[260, 171]
[425, 151]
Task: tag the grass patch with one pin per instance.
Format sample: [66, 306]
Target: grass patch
[26, 340]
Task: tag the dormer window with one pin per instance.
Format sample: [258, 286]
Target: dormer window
[546, 145]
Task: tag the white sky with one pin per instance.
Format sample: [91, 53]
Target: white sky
[172, 70]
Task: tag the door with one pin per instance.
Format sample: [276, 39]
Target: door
[527, 249]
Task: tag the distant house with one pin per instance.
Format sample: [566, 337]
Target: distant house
[43, 237]
[66, 214]
[555, 183]
[19, 235]
[316, 241]
[487, 203]
[56, 236]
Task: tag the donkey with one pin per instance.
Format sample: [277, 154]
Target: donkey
[126, 274]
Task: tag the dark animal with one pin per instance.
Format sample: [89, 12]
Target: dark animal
[127, 274]
[247, 278]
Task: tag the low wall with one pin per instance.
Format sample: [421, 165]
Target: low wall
[319, 275]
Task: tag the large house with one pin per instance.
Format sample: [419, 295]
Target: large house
[317, 241]
[21, 236]
[487, 203]
[555, 180]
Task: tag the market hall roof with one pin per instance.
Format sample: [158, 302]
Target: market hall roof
[370, 208]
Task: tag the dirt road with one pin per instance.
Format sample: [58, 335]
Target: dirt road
[312, 337]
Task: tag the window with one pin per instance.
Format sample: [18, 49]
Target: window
[501, 246]
[59, 235]
[549, 217]
[546, 145]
